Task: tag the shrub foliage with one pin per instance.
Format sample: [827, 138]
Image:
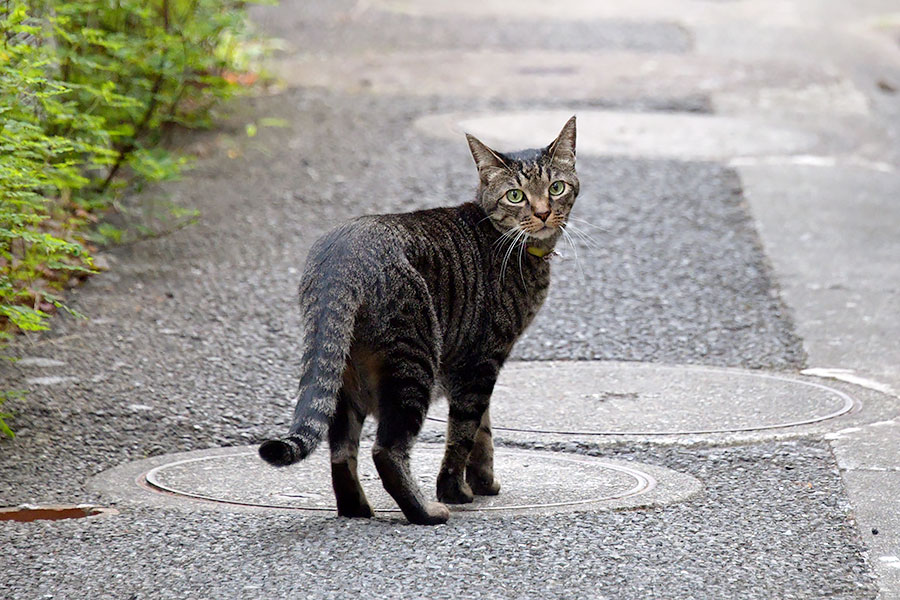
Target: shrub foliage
[87, 89]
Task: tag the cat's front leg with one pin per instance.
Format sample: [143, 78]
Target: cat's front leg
[480, 466]
[451, 484]
[468, 404]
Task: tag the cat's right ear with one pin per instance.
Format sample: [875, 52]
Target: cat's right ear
[562, 149]
[487, 161]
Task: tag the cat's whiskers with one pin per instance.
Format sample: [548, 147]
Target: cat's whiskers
[584, 237]
[506, 237]
[519, 242]
[556, 220]
[483, 220]
[521, 252]
[520, 238]
[506, 252]
[589, 224]
[574, 251]
[591, 244]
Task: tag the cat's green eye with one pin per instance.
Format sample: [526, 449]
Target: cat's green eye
[515, 196]
[557, 188]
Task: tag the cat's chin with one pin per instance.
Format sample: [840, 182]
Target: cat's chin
[544, 234]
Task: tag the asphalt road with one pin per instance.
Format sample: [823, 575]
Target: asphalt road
[192, 344]
[768, 525]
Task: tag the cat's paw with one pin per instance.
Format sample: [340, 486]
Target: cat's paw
[435, 514]
[483, 486]
[356, 511]
[453, 490]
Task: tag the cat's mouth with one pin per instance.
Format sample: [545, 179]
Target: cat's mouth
[544, 232]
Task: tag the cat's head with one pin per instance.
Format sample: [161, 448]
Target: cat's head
[532, 190]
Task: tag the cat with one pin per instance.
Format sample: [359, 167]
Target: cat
[397, 306]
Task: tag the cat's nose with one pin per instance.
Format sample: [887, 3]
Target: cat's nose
[542, 215]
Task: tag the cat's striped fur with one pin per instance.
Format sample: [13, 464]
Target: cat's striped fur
[395, 306]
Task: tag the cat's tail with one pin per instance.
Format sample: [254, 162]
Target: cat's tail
[330, 297]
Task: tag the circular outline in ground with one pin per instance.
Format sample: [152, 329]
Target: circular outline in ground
[126, 484]
[849, 404]
[644, 483]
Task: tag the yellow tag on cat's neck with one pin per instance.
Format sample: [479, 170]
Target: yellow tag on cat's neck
[539, 252]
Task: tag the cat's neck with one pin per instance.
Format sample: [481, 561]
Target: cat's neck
[475, 215]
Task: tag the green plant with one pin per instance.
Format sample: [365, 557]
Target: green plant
[4, 396]
[87, 91]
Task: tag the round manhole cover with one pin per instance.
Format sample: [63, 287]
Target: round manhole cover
[592, 399]
[620, 133]
[532, 480]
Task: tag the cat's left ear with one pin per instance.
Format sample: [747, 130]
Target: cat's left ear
[562, 150]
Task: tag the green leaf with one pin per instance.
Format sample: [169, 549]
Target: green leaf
[25, 318]
[86, 88]
[273, 122]
[4, 428]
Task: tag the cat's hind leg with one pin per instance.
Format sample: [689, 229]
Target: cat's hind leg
[343, 439]
[405, 392]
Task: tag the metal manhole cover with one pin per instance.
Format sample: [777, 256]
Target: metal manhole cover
[593, 399]
[532, 480]
[623, 133]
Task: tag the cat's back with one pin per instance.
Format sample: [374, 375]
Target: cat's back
[376, 255]
[378, 241]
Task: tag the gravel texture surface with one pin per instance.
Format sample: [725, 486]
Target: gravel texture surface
[192, 337]
[386, 32]
[769, 524]
[192, 344]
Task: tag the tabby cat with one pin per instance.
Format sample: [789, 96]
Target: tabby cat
[396, 306]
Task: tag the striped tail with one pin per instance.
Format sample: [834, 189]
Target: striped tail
[330, 304]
